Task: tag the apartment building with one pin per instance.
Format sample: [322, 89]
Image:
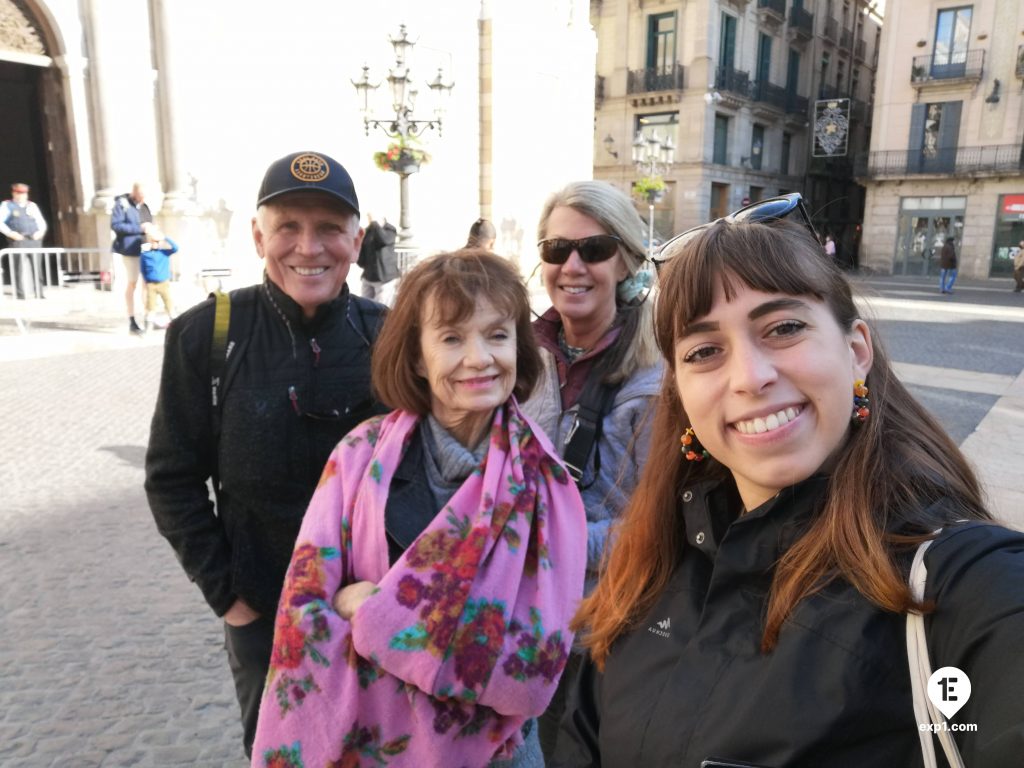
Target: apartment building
[946, 152]
[731, 86]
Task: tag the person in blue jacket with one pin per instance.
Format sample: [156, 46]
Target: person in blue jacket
[129, 219]
[155, 268]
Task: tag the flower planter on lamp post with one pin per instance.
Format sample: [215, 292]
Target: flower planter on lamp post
[652, 158]
[402, 156]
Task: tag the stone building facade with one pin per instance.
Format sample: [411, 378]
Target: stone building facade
[735, 84]
[949, 160]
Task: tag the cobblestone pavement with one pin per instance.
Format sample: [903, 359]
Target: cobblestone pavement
[108, 655]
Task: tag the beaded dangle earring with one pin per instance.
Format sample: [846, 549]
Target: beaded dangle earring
[860, 402]
[692, 449]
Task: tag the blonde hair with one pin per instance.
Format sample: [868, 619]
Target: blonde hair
[612, 209]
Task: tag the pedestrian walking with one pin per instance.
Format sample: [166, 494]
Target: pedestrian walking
[155, 269]
[601, 366]
[379, 261]
[22, 223]
[947, 266]
[447, 630]
[130, 218]
[1018, 268]
[257, 389]
[757, 601]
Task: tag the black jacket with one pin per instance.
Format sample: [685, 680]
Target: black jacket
[690, 682]
[377, 257]
[297, 389]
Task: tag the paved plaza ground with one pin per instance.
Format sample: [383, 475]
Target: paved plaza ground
[110, 657]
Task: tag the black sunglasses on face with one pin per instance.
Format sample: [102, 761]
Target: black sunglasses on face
[773, 208]
[557, 250]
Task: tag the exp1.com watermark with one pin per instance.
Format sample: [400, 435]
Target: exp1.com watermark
[949, 688]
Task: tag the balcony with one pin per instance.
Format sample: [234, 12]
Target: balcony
[831, 30]
[769, 94]
[598, 91]
[860, 51]
[954, 161]
[846, 39]
[1020, 61]
[956, 68]
[797, 109]
[772, 11]
[733, 85]
[829, 92]
[655, 79]
[801, 24]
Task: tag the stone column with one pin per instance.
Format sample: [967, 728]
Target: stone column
[120, 83]
[177, 198]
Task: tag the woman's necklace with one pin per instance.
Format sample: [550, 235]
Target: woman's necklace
[570, 352]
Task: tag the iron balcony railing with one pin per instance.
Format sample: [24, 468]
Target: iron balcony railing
[599, 90]
[796, 104]
[860, 50]
[1020, 61]
[831, 30]
[801, 21]
[948, 67]
[955, 161]
[778, 7]
[769, 93]
[829, 92]
[733, 81]
[655, 79]
[846, 39]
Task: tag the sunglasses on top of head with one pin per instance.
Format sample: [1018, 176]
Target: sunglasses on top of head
[772, 209]
[593, 249]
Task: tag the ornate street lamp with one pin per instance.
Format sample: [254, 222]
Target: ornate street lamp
[403, 126]
[652, 158]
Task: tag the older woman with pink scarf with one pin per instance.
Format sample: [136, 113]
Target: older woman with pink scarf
[425, 615]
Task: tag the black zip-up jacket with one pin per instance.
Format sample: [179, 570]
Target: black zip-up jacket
[689, 682]
[297, 389]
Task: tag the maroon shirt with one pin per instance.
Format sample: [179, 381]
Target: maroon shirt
[572, 377]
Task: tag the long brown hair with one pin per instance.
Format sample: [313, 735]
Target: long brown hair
[881, 492]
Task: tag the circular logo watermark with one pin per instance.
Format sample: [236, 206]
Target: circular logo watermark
[310, 167]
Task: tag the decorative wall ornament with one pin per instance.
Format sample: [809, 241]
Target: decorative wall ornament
[17, 32]
[831, 127]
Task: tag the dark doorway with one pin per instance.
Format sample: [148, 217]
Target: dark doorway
[21, 136]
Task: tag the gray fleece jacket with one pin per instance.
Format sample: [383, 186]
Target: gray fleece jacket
[623, 445]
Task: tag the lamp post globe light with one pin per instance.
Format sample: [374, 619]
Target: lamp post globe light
[402, 157]
[652, 158]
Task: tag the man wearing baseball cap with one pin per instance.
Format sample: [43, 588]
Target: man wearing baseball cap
[22, 223]
[258, 409]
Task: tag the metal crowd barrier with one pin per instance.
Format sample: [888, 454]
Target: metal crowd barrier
[29, 272]
[38, 268]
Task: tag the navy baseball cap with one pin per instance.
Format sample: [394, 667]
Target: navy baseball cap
[308, 172]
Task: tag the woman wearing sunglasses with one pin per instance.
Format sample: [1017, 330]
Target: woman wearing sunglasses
[601, 367]
[754, 605]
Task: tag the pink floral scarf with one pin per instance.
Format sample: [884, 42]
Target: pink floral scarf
[469, 631]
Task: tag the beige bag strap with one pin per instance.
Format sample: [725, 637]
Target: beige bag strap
[921, 669]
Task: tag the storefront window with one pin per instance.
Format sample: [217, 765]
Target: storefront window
[1009, 232]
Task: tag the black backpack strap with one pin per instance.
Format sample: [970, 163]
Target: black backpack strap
[594, 404]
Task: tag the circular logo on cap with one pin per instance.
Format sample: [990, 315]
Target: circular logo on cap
[310, 167]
